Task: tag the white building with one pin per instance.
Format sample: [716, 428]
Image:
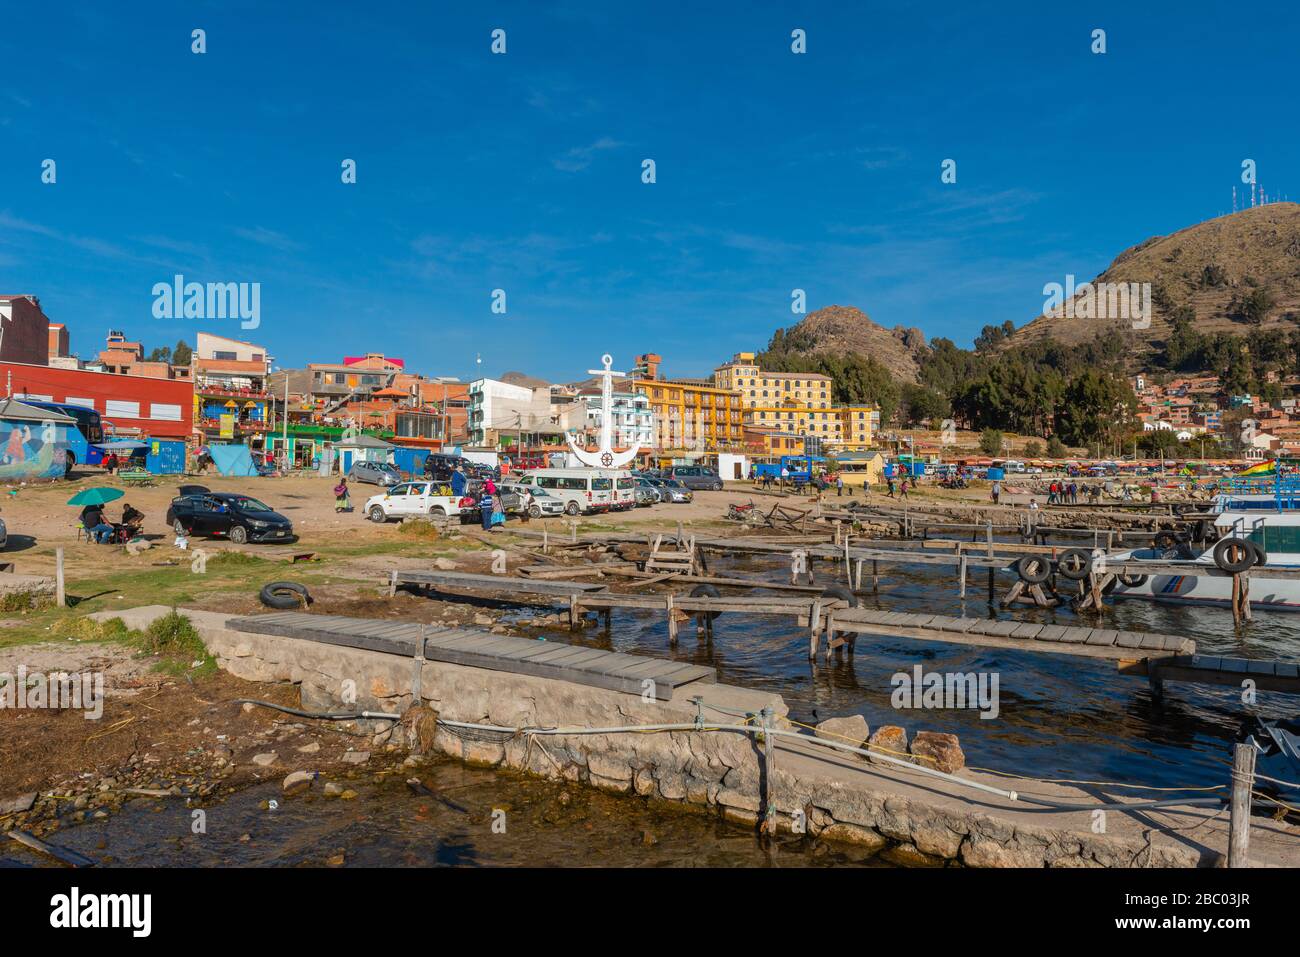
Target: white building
[632, 418]
[505, 410]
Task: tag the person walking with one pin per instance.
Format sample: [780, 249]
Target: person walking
[341, 503]
[890, 483]
[839, 485]
[902, 489]
[997, 492]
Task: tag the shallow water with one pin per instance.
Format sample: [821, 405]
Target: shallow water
[387, 825]
[1061, 716]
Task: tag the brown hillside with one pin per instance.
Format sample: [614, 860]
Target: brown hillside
[1210, 267]
[841, 329]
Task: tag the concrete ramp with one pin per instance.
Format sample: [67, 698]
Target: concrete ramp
[477, 648]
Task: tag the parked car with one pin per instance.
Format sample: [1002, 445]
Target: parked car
[672, 490]
[514, 497]
[417, 498]
[241, 518]
[695, 477]
[646, 493]
[536, 501]
[375, 473]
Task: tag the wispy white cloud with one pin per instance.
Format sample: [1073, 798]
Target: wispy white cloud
[580, 157]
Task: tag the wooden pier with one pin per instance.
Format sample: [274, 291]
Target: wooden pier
[477, 648]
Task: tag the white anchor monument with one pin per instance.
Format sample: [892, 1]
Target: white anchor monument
[605, 457]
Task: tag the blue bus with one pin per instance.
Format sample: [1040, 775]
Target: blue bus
[89, 432]
[799, 467]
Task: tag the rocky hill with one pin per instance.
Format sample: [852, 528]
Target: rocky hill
[836, 330]
[1229, 274]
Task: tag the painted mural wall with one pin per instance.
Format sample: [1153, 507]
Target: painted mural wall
[32, 451]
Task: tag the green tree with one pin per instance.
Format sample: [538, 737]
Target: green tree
[181, 354]
[1033, 449]
[991, 441]
[1056, 448]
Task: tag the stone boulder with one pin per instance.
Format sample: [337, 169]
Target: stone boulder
[889, 740]
[851, 730]
[298, 781]
[935, 749]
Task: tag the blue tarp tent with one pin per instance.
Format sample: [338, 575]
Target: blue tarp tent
[232, 459]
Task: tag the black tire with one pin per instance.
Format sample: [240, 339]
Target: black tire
[1261, 556]
[437, 510]
[376, 514]
[572, 508]
[534, 511]
[707, 591]
[1164, 540]
[1033, 569]
[1132, 581]
[285, 596]
[238, 534]
[1074, 564]
[840, 593]
[179, 528]
[1243, 548]
[717, 487]
[1200, 530]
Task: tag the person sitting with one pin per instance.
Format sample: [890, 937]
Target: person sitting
[93, 521]
[132, 519]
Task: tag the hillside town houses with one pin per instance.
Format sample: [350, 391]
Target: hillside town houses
[228, 391]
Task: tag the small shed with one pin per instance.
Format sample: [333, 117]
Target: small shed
[362, 448]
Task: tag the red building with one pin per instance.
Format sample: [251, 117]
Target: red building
[130, 405]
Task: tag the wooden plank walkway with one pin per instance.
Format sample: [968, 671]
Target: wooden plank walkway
[477, 648]
[1002, 633]
[471, 582]
[1267, 674]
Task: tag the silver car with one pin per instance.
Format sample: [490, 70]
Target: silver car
[671, 490]
[375, 473]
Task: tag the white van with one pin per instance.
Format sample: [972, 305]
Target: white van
[581, 490]
[624, 488]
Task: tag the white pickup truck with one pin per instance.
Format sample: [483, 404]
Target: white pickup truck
[414, 498]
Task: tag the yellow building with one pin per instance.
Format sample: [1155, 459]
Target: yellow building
[858, 424]
[798, 402]
[688, 414]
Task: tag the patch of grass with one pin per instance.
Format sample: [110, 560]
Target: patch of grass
[173, 634]
[422, 530]
[236, 560]
[25, 601]
[85, 628]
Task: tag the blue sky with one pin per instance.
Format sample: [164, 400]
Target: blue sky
[522, 172]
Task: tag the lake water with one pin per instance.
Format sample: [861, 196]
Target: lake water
[1061, 716]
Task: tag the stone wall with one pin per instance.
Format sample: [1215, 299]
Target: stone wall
[836, 797]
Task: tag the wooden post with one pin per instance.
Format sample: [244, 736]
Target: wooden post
[392, 583]
[546, 540]
[1243, 780]
[848, 573]
[875, 576]
[573, 612]
[857, 576]
[814, 624]
[672, 620]
[60, 598]
[961, 575]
